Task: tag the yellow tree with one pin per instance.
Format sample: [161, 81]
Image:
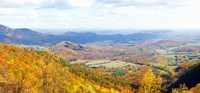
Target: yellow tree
[149, 83]
[195, 89]
[182, 89]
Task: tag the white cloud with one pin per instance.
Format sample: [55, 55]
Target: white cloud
[7, 11]
[102, 13]
[19, 3]
[81, 3]
[47, 3]
[145, 3]
[32, 14]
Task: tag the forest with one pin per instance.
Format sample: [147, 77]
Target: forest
[27, 71]
[87, 68]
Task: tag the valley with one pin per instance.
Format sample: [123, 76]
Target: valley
[144, 62]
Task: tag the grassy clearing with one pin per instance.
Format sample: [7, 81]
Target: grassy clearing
[116, 64]
[161, 51]
[108, 64]
[78, 61]
[103, 63]
[97, 62]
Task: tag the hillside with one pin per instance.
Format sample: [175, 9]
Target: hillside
[67, 50]
[190, 77]
[28, 71]
[21, 36]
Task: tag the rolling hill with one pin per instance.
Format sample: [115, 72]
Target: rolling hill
[67, 50]
[30, 37]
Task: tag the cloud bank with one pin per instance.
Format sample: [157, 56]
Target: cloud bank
[89, 3]
[100, 13]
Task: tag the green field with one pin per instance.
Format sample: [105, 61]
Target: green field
[111, 64]
[103, 63]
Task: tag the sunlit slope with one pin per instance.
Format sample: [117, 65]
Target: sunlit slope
[67, 50]
[28, 71]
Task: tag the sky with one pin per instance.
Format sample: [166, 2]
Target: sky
[101, 14]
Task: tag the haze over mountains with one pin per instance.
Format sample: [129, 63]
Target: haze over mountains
[30, 37]
[27, 36]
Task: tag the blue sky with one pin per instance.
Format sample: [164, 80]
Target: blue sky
[104, 14]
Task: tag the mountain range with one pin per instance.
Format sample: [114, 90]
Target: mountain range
[30, 37]
[21, 36]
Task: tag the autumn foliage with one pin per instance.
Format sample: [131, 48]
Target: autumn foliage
[28, 71]
[149, 83]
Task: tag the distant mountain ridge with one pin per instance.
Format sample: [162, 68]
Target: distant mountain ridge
[30, 37]
[21, 36]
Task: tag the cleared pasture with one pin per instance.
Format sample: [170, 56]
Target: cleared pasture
[109, 64]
